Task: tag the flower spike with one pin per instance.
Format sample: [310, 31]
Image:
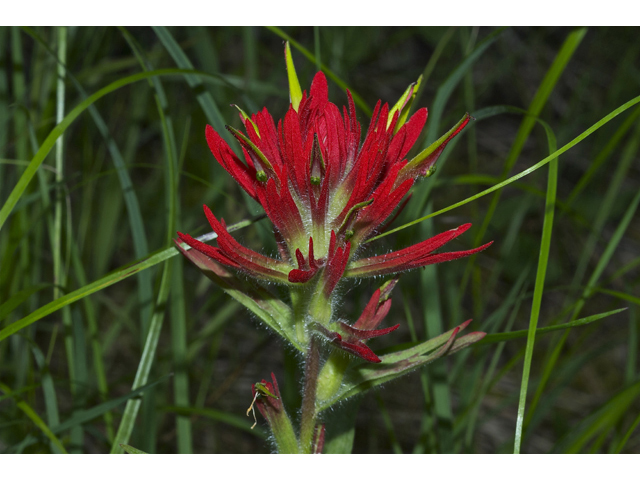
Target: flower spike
[327, 191]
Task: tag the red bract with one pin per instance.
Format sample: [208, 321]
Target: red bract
[352, 338]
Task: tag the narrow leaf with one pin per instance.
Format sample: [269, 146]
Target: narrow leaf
[503, 337]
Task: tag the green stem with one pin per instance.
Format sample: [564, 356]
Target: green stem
[308, 420]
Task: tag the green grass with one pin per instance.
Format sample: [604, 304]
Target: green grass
[107, 339]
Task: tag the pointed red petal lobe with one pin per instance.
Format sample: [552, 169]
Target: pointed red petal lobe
[418, 255]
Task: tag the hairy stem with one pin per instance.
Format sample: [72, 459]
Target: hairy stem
[308, 420]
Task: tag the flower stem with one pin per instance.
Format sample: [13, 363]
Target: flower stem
[308, 420]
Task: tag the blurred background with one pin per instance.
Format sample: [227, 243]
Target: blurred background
[135, 167]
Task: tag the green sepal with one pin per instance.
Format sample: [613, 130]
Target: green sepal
[387, 287]
[284, 434]
[295, 92]
[362, 376]
[331, 375]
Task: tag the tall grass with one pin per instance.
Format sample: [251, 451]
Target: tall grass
[103, 159]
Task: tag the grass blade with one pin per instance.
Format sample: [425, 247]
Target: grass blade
[131, 450]
[51, 139]
[48, 391]
[224, 417]
[448, 86]
[436, 374]
[110, 279]
[627, 435]
[543, 259]
[80, 417]
[146, 361]
[311, 57]
[522, 174]
[588, 291]
[35, 418]
[205, 99]
[606, 417]
[539, 100]
[503, 337]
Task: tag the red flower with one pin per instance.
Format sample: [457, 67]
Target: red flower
[326, 193]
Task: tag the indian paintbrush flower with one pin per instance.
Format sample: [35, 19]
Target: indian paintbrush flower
[327, 193]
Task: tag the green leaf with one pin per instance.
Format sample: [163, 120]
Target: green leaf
[205, 99]
[114, 277]
[603, 155]
[35, 418]
[219, 416]
[146, 360]
[80, 417]
[627, 435]
[543, 258]
[448, 86]
[338, 81]
[360, 377]
[604, 419]
[340, 426]
[539, 100]
[14, 301]
[61, 127]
